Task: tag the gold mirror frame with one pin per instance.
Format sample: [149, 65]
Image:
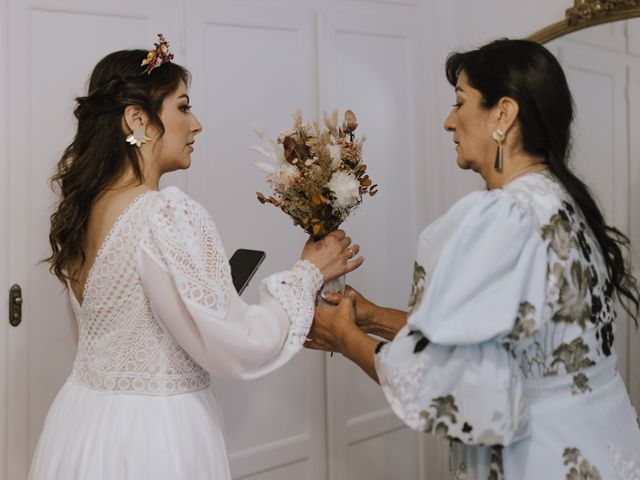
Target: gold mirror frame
[587, 13]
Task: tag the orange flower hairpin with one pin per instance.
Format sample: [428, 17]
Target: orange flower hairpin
[159, 55]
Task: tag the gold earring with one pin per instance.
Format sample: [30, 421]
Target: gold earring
[138, 137]
[498, 135]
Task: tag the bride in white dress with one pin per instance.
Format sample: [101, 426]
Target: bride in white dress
[150, 286]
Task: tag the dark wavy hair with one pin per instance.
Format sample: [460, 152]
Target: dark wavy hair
[528, 73]
[99, 154]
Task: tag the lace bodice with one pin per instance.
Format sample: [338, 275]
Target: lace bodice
[125, 343]
[121, 346]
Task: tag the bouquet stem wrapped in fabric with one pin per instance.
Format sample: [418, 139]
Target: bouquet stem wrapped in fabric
[317, 175]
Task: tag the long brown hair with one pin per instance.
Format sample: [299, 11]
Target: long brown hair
[530, 74]
[99, 154]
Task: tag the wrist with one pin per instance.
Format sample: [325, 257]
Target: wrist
[366, 317]
[349, 338]
[387, 322]
[312, 272]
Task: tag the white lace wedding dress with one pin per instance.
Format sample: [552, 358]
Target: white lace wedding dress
[159, 315]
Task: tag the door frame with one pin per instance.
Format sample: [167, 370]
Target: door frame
[4, 231]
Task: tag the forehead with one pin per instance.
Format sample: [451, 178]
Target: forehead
[180, 91]
[462, 85]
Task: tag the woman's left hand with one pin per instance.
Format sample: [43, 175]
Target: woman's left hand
[332, 326]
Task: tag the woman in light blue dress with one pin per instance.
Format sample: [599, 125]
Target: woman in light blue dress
[507, 348]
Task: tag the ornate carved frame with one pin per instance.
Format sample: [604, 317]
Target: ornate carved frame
[587, 13]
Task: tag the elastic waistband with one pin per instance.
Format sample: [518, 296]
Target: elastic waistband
[586, 380]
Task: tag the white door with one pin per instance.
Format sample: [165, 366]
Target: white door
[53, 47]
[256, 64]
[371, 64]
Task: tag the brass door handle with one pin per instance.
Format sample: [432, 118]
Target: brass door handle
[15, 305]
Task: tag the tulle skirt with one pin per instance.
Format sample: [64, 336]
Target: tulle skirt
[97, 435]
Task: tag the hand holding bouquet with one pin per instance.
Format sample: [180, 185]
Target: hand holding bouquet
[317, 175]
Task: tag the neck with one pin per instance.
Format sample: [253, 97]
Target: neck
[150, 178]
[515, 167]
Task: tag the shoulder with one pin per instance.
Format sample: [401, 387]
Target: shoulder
[173, 195]
[172, 200]
[175, 213]
[484, 217]
[494, 258]
[542, 193]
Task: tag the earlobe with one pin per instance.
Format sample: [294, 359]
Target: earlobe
[135, 121]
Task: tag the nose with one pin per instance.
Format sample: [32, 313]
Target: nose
[196, 126]
[449, 122]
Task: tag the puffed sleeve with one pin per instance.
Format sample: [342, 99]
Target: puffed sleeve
[449, 371]
[186, 276]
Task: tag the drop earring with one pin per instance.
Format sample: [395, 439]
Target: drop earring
[498, 135]
[138, 137]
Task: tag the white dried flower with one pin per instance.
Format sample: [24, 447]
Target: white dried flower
[346, 189]
[269, 149]
[285, 175]
[336, 156]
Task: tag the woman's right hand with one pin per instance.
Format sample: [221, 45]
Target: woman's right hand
[332, 255]
[365, 310]
[381, 321]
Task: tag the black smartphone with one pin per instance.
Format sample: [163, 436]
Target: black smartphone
[244, 263]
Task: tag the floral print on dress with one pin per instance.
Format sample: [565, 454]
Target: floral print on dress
[422, 341]
[417, 289]
[496, 471]
[579, 467]
[626, 465]
[579, 304]
[573, 292]
[558, 233]
[572, 355]
[580, 384]
[446, 412]
[476, 384]
[525, 326]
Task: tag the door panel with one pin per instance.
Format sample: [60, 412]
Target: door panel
[54, 47]
[256, 65]
[369, 64]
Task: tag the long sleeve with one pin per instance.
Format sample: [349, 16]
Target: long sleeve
[186, 276]
[449, 371]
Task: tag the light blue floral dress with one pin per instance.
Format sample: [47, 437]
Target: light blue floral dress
[508, 349]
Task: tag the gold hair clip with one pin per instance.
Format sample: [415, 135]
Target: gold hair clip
[159, 55]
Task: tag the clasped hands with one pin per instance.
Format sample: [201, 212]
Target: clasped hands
[344, 327]
[334, 326]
